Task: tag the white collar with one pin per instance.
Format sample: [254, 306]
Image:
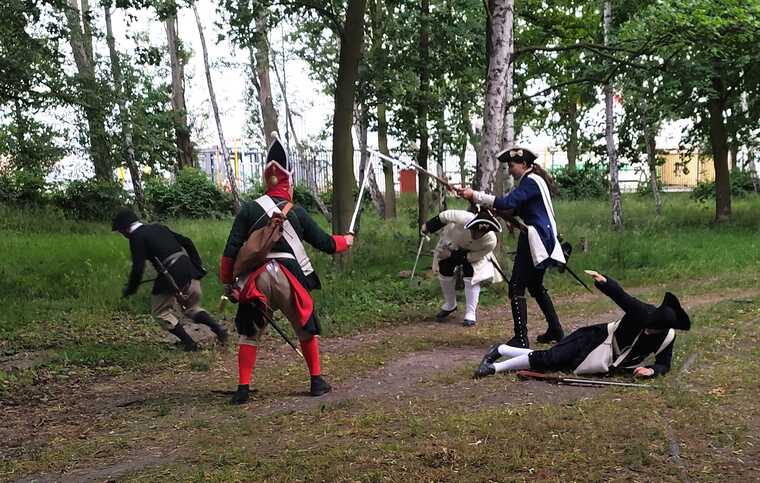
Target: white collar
[134, 226]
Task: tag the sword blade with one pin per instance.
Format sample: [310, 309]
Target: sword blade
[570, 271]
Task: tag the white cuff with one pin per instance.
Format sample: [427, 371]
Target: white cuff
[483, 199]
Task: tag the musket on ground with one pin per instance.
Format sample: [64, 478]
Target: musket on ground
[181, 297]
[576, 381]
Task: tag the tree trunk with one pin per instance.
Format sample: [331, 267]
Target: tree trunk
[734, 151]
[615, 196]
[572, 142]
[80, 38]
[719, 142]
[508, 134]
[440, 159]
[308, 162]
[382, 144]
[423, 198]
[261, 67]
[377, 14]
[348, 72]
[362, 126]
[651, 144]
[126, 127]
[179, 108]
[753, 171]
[212, 97]
[493, 116]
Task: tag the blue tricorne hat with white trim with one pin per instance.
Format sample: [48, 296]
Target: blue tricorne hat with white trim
[484, 220]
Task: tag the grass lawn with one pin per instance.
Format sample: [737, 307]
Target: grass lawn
[60, 292]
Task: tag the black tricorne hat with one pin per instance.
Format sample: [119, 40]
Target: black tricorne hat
[669, 315]
[484, 220]
[124, 217]
[516, 154]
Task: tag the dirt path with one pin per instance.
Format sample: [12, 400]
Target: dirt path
[61, 411]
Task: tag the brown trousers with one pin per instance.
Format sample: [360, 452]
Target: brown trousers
[164, 307]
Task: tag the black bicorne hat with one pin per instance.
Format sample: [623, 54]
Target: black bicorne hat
[516, 154]
[484, 220]
[124, 217]
[669, 315]
[277, 154]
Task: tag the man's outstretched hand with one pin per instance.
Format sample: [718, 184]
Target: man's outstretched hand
[595, 275]
[465, 192]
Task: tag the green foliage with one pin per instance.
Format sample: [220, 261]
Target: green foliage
[190, 195]
[90, 199]
[22, 188]
[586, 182]
[741, 185]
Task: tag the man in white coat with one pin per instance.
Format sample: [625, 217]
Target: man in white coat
[467, 240]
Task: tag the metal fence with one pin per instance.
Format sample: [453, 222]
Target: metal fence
[313, 169]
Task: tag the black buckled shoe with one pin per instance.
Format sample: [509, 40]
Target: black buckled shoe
[468, 323]
[485, 369]
[242, 395]
[492, 355]
[551, 335]
[319, 386]
[443, 314]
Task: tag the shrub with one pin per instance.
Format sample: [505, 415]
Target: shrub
[190, 195]
[90, 199]
[586, 182]
[741, 184]
[22, 188]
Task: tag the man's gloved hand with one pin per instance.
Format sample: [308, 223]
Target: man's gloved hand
[229, 292]
[424, 229]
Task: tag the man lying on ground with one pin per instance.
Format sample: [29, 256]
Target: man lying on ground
[644, 330]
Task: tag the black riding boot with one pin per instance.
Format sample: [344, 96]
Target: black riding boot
[554, 332]
[520, 318]
[205, 318]
[187, 341]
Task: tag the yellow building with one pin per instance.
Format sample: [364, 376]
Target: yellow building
[683, 170]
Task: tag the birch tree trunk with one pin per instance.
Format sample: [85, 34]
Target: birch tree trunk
[753, 170]
[423, 199]
[80, 39]
[615, 196]
[179, 108]
[212, 97]
[493, 116]
[508, 133]
[126, 127]
[348, 72]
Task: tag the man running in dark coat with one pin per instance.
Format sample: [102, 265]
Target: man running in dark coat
[285, 278]
[177, 255]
